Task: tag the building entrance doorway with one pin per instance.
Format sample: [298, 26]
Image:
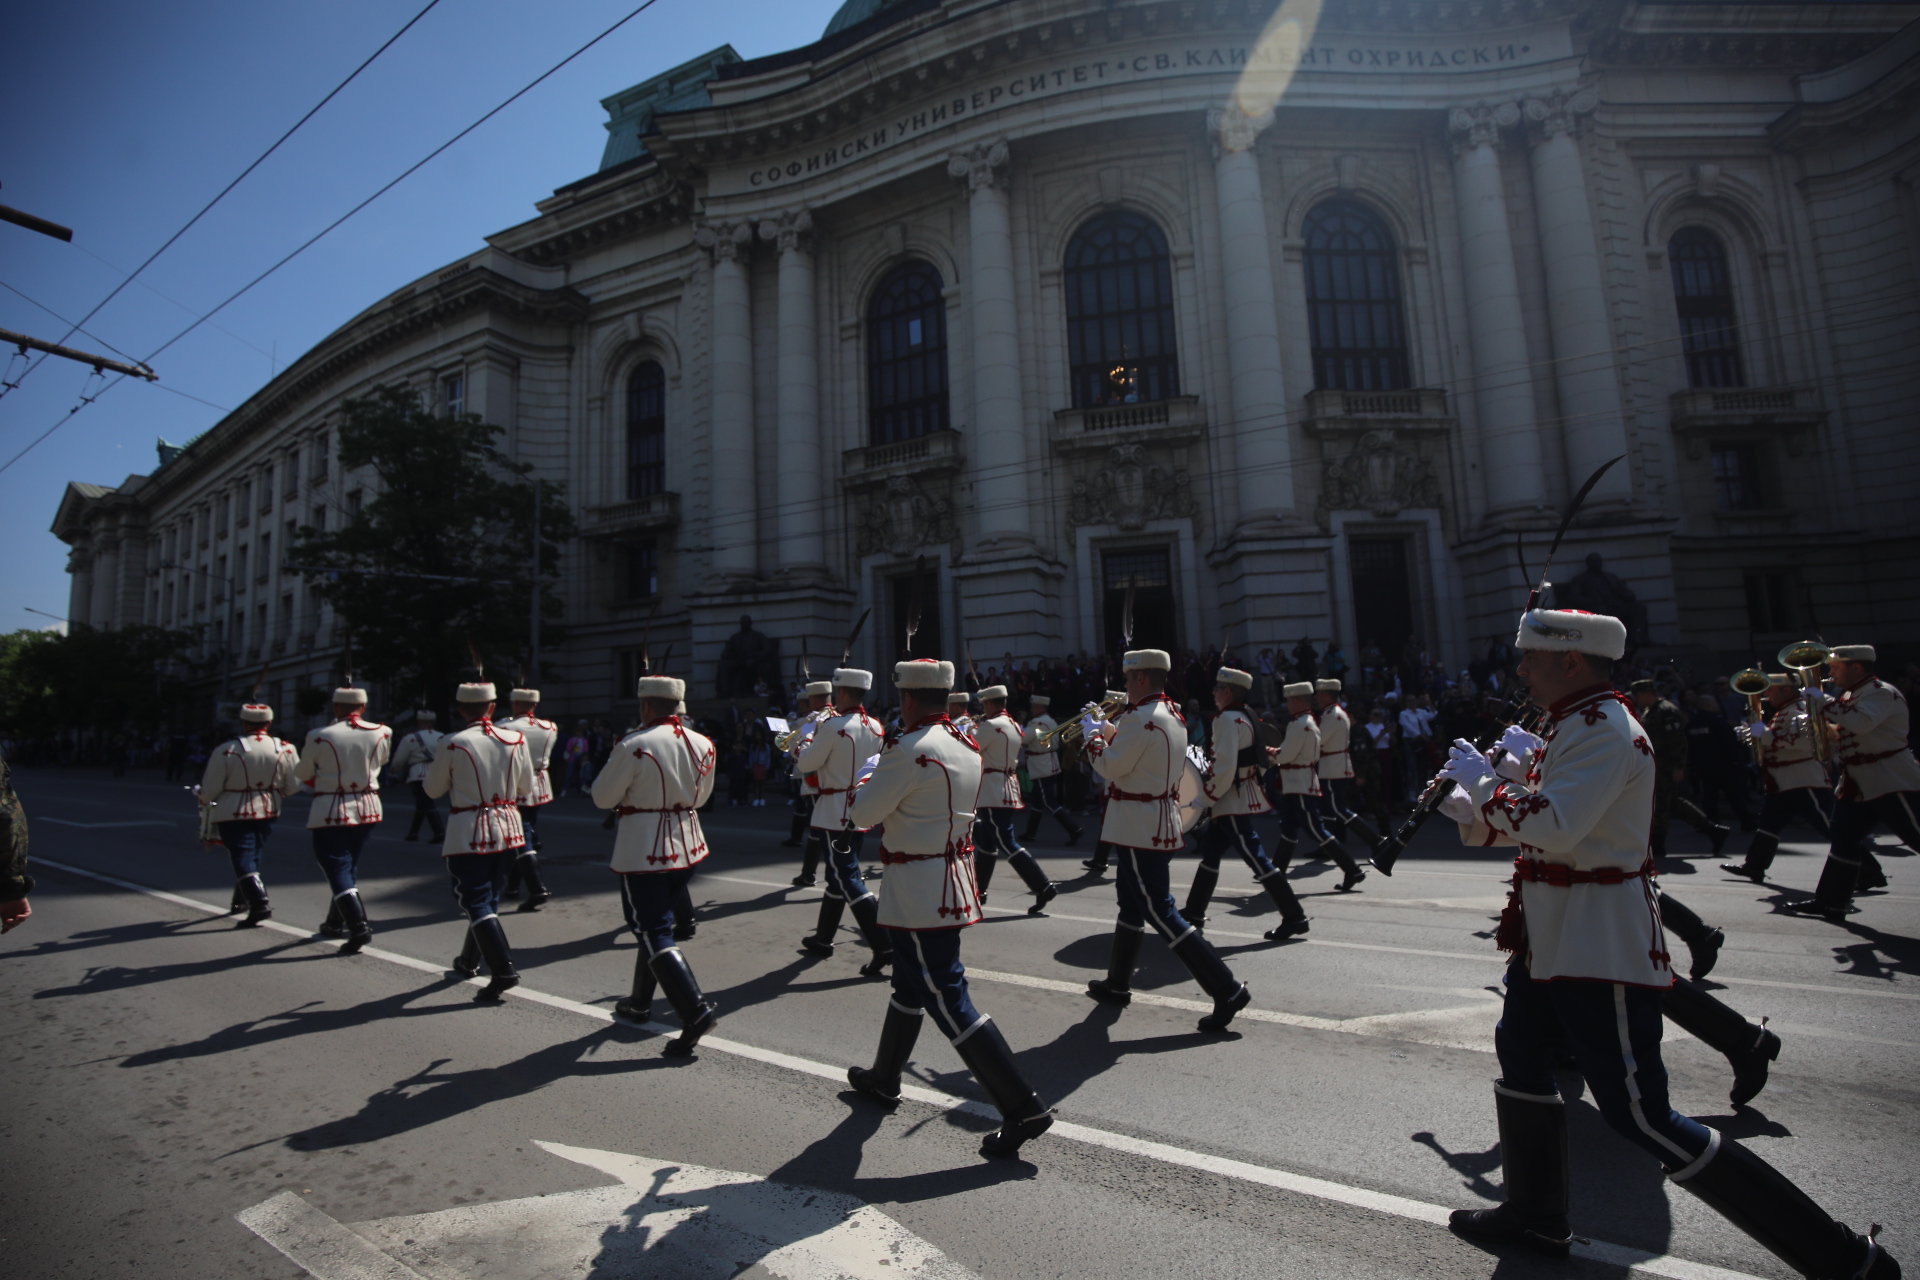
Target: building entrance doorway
[1148, 569]
[901, 599]
[1382, 595]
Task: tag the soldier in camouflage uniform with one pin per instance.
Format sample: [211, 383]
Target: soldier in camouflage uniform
[15, 883]
[1666, 727]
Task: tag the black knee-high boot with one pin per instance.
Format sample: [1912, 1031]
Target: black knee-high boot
[820, 941]
[984, 861]
[1283, 848]
[810, 859]
[1033, 824]
[511, 890]
[1833, 896]
[1872, 874]
[1102, 857]
[1703, 941]
[897, 1036]
[528, 865]
[254, 891]
[501, 975]
[353, 919]
[1028, 869]
[866, 914]
[796, 832]
[1293, 917]
[331, 926]
[1022, 1114]
[1333, 849]
[1533, 1161]
[1758, 1198]
[1117, 986]
[683, 993]
[467, 963]
[1206, 877]
[637, 1005]
[1748, 1046]
[238, 902]
[1759, 857]
[1229, 994]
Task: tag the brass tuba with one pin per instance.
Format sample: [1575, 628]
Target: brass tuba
[1751, 684]
[1807, 656]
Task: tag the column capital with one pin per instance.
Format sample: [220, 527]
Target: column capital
[1558, 112]
[790, 228]
[1480, 124]
[982, 165]
[1233, 130]
[726, 241]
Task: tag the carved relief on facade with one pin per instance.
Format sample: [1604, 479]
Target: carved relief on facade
[1128, 487]
[904, 513]
[1379, 473]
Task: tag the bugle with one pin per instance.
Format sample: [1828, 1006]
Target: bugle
[1071, 731]
[1751, 684]
[1806, 657]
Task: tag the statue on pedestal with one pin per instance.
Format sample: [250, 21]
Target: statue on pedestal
[749, 658]
[1597, 591]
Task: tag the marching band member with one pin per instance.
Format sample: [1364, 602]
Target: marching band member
[410, 760]
[819, 696]
[1103, 852]
[1666, 727]
[1043, 768]
[1796, 781]
[540, 735]
[1336, 766]
[342, 762]
[1590, 965]
[245, 779]
[484, 770]
[922, 789]
[1233, 786]
[957, 704]
[999, 740]
[1878, 776]
[840, 745]
[1141, 753]
[655, 782]
[1297, 759]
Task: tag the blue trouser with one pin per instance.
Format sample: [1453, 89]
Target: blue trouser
[651, 900]
[337, 850]
[1779, 808]
[1296, 814]
[246, 842]
[1614, 1030]
[530, 823]
[993, 833]
[1046, 794]
[477, 881]
[1335, 801]
[427, 810]
[844, 878]
[1235, 832]
[1145, 897]
[928, 976]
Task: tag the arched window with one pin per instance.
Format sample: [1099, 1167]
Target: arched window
[1353, 300]
[646, 430]
[1119, 282]
[906, 355]
[1703, 293]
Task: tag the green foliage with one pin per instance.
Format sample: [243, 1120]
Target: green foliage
[93, 679]
[448, 505]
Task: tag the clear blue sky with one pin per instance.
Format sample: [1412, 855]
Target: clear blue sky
[125, 118]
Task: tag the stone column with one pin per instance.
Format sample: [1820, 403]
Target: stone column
[1263, 450]
[797, 486]
[999, 451]
[1592, 426]
[80, 591]
[103, 611]
[733, 520]
[1503, 384]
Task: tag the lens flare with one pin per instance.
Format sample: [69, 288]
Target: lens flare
[1273, 60]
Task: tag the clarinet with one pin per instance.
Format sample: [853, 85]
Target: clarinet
[1388, 851]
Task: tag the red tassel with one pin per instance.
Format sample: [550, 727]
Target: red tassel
[1511, 935]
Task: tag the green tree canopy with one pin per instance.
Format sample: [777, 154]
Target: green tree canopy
[439, 556]
[93, 679]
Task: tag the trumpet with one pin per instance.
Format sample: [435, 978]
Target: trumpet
[1752, 683]
[1071, 730]
[1807, 656]
[791, 738]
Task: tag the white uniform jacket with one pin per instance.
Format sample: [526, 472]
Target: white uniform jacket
[1585, 809]
[923, 790]
[808, 785]
[540, 735]
[246, 776]
[1042, 762]
[484, 769]
[1870, 739]
[1234, 784]
[1298, 757]
[656, 780]
[840, 746]
[415, 752]
[1336, 733]
[1145, 755]
[999, 739]
[1786, 750]
[343, 762]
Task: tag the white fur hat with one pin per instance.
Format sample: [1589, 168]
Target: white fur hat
[481, 692]
[256, 713]
[526, 695]
[1780, 678]
[1326, 686]
[818, 688]
[923, 673]
[1572, 631]
[1298, 689]
[1853, 653]
[959, 695]
[350, 697]
[996, 691]
[665, 688]
[1146, 660]
[852, 678]
[1039, 700]
[424, 714]
[1234, 678]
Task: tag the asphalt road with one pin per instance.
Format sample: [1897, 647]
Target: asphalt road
[187, 1099]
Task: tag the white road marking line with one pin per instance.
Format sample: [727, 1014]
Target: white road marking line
[1825, 991]
[98, 826]
[1319, 1188]
[319, 1244]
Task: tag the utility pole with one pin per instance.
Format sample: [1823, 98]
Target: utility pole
[25, 343]
[533, 628]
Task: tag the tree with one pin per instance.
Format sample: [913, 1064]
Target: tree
[92, 679]
[437, 560]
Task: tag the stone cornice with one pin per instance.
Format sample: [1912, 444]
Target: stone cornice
[578, 217]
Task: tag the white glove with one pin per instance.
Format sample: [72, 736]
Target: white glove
[1512, 768]
[1458, 805]
[1758, 731]
[1465, 765]
[1091, 727]
[1816, 698]
[866, 770]
[1517, 741]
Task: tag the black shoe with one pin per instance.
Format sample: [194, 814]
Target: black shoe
[1533, 1160]
[1706, 951]
[1123, 955]
[353, 919]
[637, 1005]
[1023, 1115]
[1718, 833]
[1104, 989]
[1096, 865]
[535, 901]
[467, 963]
[254, 894]
[820, 941]
[1353, 877]
[1505, 1225]
[881, 1081]
[1223, 1010]
[491, 937]
[1004, 1142]
[633, 1011]
[1750, 1068]
[1046, 895]
[866, 914]
[685, 932]
[805, 882]
[1287, 929]
[1756, 874]
[510, 894]
[1073, 836]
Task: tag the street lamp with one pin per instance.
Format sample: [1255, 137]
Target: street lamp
[233, 593]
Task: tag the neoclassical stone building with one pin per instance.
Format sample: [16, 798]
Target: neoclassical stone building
[1298, 321]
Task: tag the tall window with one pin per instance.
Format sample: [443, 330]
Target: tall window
[906, 355]
[1353, 301]
[1737, 482]
[453, 394]
[1119, 282]
[1703, 294]
[1770, 600]
[646, 430]
[643, 570]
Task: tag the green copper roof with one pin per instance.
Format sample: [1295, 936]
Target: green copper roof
[855, 11]
[630, 112]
